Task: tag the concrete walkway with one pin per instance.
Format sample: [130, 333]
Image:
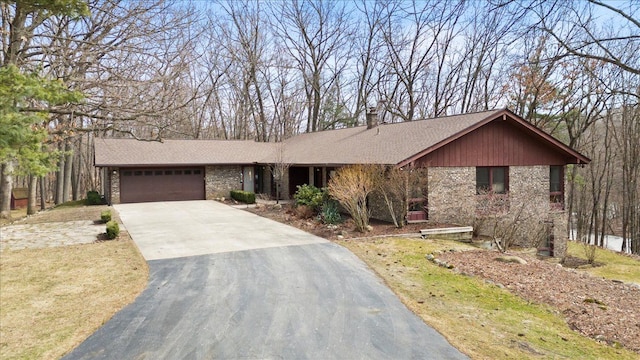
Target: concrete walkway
[227, 284]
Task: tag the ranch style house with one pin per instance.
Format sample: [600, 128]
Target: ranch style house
[464, 154]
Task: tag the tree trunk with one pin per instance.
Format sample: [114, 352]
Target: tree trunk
[7, 186]
[68, 166]
[76, 177]
[31, 202]
[43, 199]
[60, 178]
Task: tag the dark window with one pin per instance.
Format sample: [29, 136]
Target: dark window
[177, 172]
[126, 173]
[556, 186]
[187, 172]
[196, 172]
[493, 180]
[158, 172]
[168, 172]
[416, 205]
[148, 173]
[137, 173]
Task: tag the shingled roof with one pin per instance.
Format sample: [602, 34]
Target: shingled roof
[385, 144]
[131, 152]
[389, 144]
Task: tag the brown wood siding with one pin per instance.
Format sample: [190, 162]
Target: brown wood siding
[161, 184]
[498, 143]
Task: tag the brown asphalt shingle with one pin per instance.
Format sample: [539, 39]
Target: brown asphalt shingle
[389, 144]
[384, 144]
[130, 152]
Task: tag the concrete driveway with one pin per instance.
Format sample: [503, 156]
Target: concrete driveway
[227, 284]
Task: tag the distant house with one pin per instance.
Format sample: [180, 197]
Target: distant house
[19, 198]
[494, 150]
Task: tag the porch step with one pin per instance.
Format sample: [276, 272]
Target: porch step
[454, 233]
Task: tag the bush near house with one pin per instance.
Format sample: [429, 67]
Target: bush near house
[113, 230]
[105, 216]
[310, 196]
[246, 197]
[93, 198]
[330, 212]
[350, 186]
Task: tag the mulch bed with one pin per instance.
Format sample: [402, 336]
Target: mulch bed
[344, 230]
[605, 310]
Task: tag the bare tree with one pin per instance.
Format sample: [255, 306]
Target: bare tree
[280, 169]
[398, 186]
[414, 37]
[315, 35]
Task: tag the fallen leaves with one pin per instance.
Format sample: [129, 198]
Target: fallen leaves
[604, 310]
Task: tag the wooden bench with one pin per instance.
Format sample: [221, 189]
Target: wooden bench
[456, 233]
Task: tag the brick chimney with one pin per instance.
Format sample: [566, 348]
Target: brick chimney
[372, 117]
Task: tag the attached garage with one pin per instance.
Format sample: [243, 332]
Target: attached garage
[161, 184]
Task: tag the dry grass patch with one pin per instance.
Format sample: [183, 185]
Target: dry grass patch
[479, 318]
[15, 215]
[52, 299]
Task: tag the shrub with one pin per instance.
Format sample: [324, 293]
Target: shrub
[93, 198]
[330, 213]
[304, 211]
[590, 250]
[243, 196]
[351, 185]
[113, 230]
[309, 195]
[105, 216]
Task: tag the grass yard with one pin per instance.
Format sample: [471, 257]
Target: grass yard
[15, 214]
[52, 299]
[614, 265]
[479, 318]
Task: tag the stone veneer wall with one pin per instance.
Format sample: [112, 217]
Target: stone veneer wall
[221, 179]
[529, 185]
[114, 176]
[379, 210]
[452, 194]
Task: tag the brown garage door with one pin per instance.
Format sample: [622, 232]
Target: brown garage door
[166, 184]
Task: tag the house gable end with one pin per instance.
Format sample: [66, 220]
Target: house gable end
[498, 143]
[501, 140]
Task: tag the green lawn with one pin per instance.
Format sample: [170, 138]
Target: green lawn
[612, 265]
[480, 319]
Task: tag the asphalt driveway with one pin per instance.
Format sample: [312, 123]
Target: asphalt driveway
[227, 284]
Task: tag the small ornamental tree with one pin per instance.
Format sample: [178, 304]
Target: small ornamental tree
[396, 186]
[279, 170]
[350, 186]
[513, 221]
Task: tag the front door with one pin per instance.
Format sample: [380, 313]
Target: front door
[248, 183]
